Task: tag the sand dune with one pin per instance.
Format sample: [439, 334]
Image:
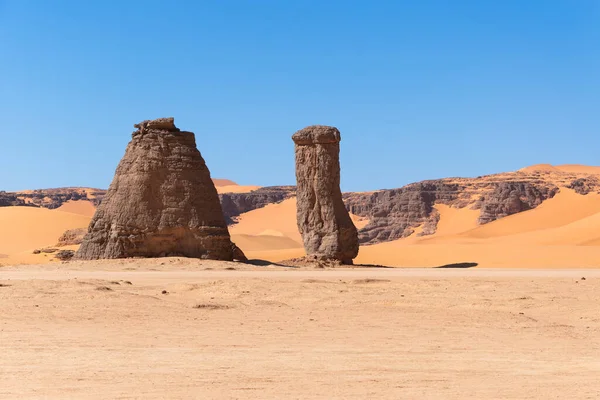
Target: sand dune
[228, 186]
[540, 168]
[455, 220]
[224, 182]
[579, 169]
[280, 218]
[567, 168]
[564, 208]
[81, 207]
[23, 229]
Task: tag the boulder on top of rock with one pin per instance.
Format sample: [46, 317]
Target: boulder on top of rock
[161, 202]
[324, 223]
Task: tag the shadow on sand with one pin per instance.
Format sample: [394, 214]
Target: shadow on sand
[265, 263]
[369, 266]
[459, 265]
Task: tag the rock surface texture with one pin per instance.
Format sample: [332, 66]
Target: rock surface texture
[323, 221]
[72, 237]
[161, 202]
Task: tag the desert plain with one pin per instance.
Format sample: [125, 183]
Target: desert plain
[512, 314]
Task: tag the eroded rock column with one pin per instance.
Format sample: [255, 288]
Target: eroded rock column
[161, 202]
[324, 223]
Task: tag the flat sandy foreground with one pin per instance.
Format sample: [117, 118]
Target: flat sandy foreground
[106, 330]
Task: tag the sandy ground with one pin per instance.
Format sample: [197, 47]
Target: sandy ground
[106, 330]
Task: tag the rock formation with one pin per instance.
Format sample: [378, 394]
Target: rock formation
[396, 213]
[323, 221]
[50, 198]
[72, 237]
[161, 202]
[512, 197]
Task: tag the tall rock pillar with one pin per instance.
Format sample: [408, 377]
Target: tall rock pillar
[323, 221]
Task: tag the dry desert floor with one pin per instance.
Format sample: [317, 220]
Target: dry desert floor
[177, 328]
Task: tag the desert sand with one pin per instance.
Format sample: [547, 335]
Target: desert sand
[24, 229]
[228, 186]
[104, 329]
[81, 207]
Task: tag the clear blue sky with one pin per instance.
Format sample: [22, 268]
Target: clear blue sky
[419, 89]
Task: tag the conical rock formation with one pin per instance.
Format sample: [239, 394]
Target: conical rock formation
[161, 202]
[323, 221]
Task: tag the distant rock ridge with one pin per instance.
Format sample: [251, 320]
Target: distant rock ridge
[50, 198]
[393, 213]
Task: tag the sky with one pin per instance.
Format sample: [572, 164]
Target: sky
[418, 89]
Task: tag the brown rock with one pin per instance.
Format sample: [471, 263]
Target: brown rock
[65, 255]
[585, 185]
[238, 254]
[512, 197]
[323, 221]
[161, 202]
[71, 237]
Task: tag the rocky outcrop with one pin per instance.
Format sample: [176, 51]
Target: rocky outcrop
[72, 237]
[65, 255]
[585, 185]
[395, 213]
[323, 221]
[234, 204]
[161, 202]
[50, 198]
[512, 197]
[8, 199]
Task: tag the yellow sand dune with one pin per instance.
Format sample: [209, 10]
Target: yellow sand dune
[564, 208]
[224, 182]
[23, 229]
[228, 186]
[567, 168]
[280, 217]
[579, 169]
[81, 207]
[540, 168]
[455, 220]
